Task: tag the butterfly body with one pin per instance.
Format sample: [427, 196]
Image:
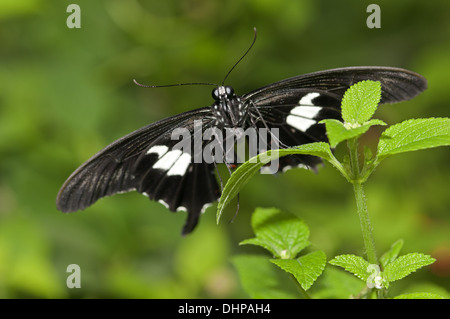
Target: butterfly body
[228, 108]
[149, 160]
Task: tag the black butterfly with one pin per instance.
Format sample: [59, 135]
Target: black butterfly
[146, 161]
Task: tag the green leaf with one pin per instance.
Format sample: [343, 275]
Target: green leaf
[260, 279]
[392, 253]
[360, 102]
[337, 284]
[306, 269]
[338, 131]
[406, 264]
[412, 135]
[354, 264]
[243, 173]
[284, 235]
[419, 295]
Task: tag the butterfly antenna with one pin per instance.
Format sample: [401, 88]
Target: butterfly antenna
[169, 85]
[248, 50]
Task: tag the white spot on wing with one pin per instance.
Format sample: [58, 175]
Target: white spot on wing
[205, 207]
[164, 203]
[158, 149]
[308, 112]
[126, 190]
[167, 161]
[307, 99]
[289, 167]
[301, 117]
[299, 123]
[181, 165]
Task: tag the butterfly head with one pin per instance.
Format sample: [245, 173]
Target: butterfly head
[228, 108]
[223, 92]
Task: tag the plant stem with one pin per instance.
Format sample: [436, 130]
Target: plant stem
[361, 206]
[352, 145]
[364, 219]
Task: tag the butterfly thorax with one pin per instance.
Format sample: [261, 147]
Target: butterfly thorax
[228, 109]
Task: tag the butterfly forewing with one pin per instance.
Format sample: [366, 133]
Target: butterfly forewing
[397, 84]
[111, 170]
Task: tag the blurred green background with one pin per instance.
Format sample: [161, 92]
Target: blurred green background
[67, 93]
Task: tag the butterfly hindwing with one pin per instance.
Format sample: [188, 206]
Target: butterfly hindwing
[169, 174]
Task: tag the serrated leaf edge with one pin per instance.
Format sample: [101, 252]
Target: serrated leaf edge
[394, 270]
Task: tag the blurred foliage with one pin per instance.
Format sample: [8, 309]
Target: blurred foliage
[66, 93]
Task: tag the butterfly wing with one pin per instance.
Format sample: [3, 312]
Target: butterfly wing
[129, 164]
[397, 84]
[149, 161]
[169, 172]
[296, 105]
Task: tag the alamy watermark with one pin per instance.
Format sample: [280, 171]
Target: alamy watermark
[73, 21]
[374, 19]
[74, 279]
[227, 145]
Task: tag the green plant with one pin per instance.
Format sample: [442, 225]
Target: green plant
[285, 237]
